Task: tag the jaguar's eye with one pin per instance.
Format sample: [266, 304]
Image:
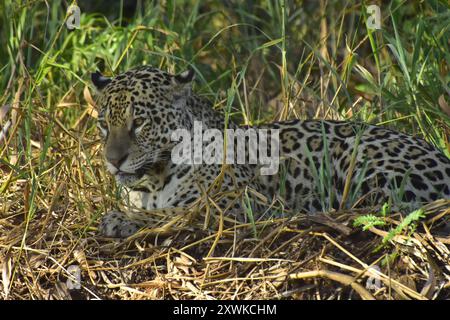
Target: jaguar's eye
[138, 122]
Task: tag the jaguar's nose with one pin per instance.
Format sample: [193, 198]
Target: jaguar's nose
[117, 162]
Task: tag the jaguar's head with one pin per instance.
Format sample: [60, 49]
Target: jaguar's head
[137, 112]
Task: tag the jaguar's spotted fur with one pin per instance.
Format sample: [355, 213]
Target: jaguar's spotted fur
[139, 109]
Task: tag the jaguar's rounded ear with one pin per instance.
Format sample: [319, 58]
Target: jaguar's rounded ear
[99, 80]
[185, 77]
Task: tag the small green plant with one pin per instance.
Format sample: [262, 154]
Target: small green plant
[409, 223]
[369, 221]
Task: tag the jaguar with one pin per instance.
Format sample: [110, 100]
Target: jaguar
[323, 163]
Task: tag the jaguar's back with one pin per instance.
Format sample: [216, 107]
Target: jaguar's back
[376, 163]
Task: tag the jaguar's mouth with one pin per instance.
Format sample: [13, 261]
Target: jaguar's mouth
[138, 173]
[126, 174]
[148, 168]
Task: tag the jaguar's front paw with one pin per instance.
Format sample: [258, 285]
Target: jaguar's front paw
[115, 224]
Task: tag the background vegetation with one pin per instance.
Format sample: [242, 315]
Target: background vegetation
[269, 59]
